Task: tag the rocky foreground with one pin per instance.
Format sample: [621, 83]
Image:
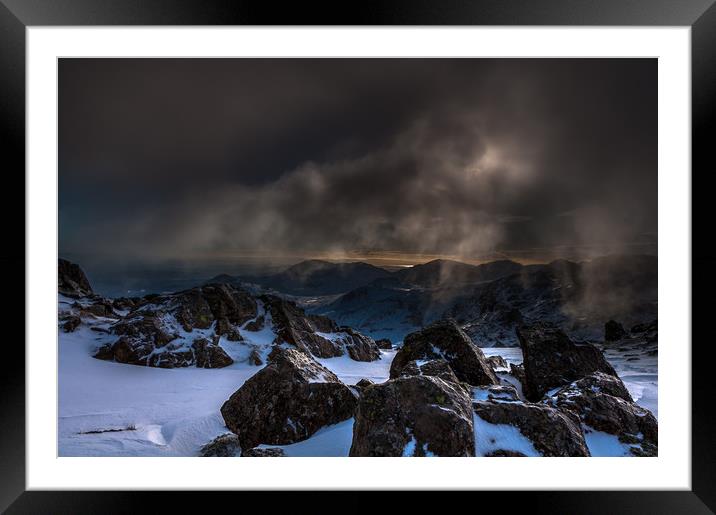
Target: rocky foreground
[442, 394]
[443, 397]
[191, 327]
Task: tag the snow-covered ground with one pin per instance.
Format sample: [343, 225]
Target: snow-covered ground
[113, 409]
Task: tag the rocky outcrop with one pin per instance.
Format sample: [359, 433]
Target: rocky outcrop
[498, 363]
[414, 416]
[269, 452]
[294, 327]
[436, 368]
[209, 354]
[445, 340]
[551, 359]
[384, 343]
[223, 446]
[71, 280]
[70, 323]
[552, 432]
[613, 331]
[287, 401]
[602, 402]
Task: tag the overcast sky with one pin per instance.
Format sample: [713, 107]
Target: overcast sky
[455, 157]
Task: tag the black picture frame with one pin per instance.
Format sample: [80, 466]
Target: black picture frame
[16, 15]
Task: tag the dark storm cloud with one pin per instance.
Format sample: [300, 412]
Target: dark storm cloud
[459, 157]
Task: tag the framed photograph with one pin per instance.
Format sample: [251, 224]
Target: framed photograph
[459, 231]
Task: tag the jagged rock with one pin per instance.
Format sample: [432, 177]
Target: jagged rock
[124, 303]
[436, 368]
[445, 340]
[502, 392]
[131, 351]
[296, 328]
[255, 358]
[287, 401]
[270, 452]
[225, 328]
[414, 416]
[551, 359]
[210, 355]
[224, 446]
[226, 301]
[613, 331]
[71, 280]
[603, 403]
[518, 372]
[551, 432]
[255, 325]
[105, 352]
[384, 343]
[497, 362]
[71, 323]
[363, 384]
[359, 346]
[149, 327]
[99, 308]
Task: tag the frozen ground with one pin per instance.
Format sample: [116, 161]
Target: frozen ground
[111, 409]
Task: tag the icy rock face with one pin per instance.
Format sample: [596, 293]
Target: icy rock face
[287, 401]
[551, 359]
[551, 432]
[414, 416]
[445, 340]
[71, 280]
[296, 328]
[602, 403]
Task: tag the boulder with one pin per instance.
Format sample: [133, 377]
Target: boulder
[384, 343]
[225, 328]
[287, 401]
[71, 323]
[224, 446]
[363, 384]
[551, 359]
[602, 402]
[209, 354]
[359, 346]
[552, 432]
[414, 416]
[255, 325]
[613, 331]
[436, 368]
[71, 280]
[497, 362]
[99, 308]
[269, 452]
[445, 340]
[255, 358]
